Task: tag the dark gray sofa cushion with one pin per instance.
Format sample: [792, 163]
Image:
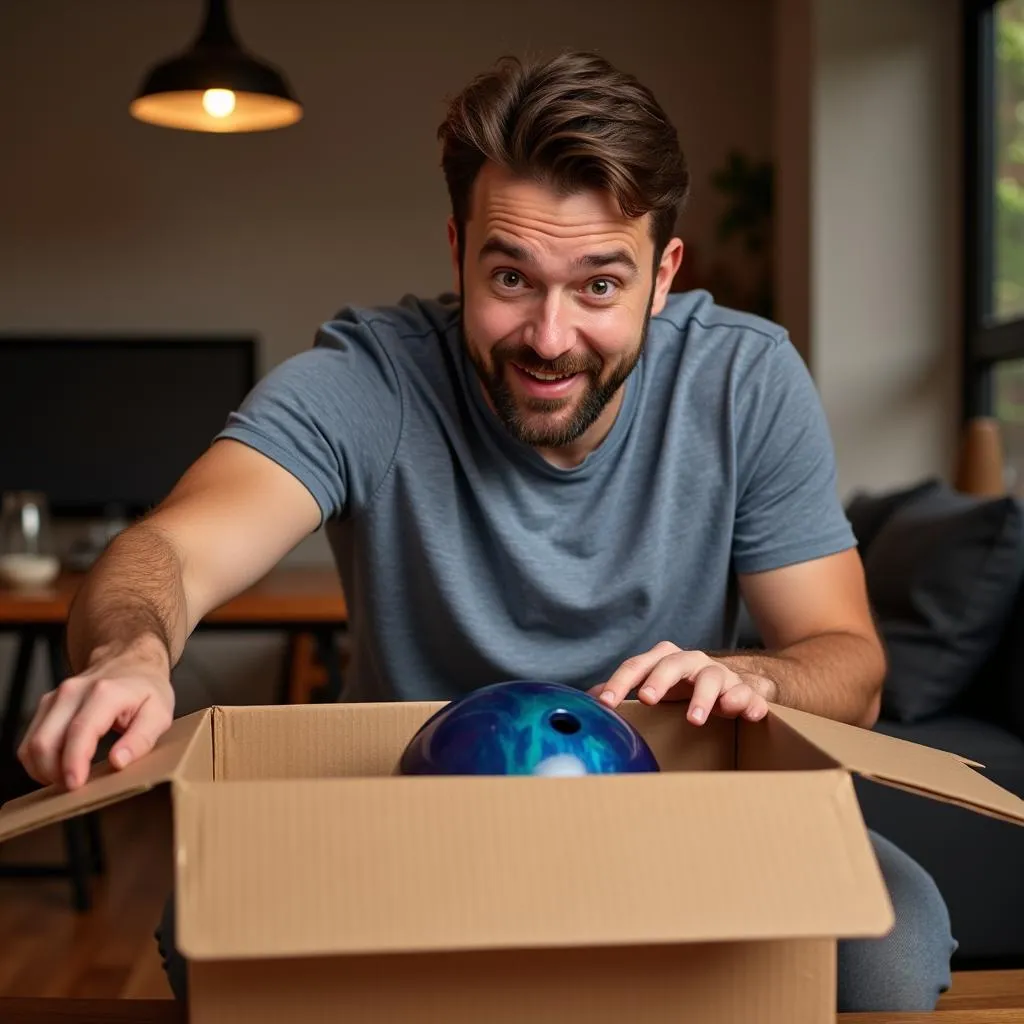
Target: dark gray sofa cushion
[1011, 667]
[999, 751]
[869, 511]
[975, 860]
[997, 694]
[942, 572]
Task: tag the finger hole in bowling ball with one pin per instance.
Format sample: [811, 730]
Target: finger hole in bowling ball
[564, 722]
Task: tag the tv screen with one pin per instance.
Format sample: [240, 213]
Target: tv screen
[111, 423]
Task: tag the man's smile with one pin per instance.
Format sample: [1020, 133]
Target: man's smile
[539, 384]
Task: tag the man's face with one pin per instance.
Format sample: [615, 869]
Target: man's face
[556, 295]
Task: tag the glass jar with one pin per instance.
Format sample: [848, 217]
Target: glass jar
[27, 556]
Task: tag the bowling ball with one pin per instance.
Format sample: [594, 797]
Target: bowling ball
[526, 727]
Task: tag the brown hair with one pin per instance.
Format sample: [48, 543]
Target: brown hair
[573, 122]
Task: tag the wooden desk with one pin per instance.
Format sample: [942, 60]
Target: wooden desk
[306, 596]
[166, 1011]
[303, 603]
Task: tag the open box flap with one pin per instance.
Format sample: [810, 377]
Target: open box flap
[106, 785]
[934, 773]
[385, 865]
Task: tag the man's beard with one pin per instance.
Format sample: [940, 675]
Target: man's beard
[525, 417]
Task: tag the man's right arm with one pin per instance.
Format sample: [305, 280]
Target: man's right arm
[234, 514]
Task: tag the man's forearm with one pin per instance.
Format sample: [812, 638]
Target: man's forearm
[836, 675]
[132, 597]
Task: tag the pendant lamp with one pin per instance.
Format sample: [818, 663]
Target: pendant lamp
[216, 86]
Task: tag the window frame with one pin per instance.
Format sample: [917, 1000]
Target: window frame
[987, 341]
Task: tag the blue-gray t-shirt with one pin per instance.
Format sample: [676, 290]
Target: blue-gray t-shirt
[466, 558]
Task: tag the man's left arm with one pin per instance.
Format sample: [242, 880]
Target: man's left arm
[822, 652]
[798, 567]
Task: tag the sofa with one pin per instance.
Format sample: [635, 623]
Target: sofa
[945, 576]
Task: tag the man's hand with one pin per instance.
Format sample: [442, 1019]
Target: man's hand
[667, 672]
[128, 690]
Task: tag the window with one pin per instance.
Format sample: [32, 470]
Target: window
[1008, 408]
[994, 208]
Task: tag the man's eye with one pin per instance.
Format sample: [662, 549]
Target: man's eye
[602, 287]
[509, 278]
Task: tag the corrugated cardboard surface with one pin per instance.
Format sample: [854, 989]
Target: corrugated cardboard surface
[772, 745]
[680, 746]
[934, 773]
[314, 740]
[311, 878]
[407, 864]
[338, 740]
[739, 983]
[197, 762]
[106, 786]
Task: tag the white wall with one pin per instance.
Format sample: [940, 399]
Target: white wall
[107, 222]
[110, 224]
[884, 203]
[793, 141]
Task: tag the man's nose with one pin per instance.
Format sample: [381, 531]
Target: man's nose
[551, 333]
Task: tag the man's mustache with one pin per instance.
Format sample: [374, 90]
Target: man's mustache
[524, 356]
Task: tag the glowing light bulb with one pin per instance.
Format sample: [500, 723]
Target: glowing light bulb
[218, 102]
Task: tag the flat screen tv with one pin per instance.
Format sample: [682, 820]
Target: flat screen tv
[109, 424]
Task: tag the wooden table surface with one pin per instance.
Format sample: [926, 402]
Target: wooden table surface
[166, 1011]
[286, 594]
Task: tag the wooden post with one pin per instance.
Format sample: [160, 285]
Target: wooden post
[980, 468]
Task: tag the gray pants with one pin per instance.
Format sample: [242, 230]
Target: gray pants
[907, 970]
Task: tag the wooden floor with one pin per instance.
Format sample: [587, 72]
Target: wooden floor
[109, 952]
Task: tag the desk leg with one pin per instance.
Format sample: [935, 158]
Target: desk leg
[79, 862]
[284, 683]
[13, 707]
[97, 858]
[82, 834]
[327, 650]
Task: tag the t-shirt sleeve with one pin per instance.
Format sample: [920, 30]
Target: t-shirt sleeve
[331, 416]
[788, 506]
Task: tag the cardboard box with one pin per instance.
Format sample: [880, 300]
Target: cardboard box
[314, 885]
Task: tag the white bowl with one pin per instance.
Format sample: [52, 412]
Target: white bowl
[29, 570]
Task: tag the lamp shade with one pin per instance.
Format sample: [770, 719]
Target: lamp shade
[216, 86]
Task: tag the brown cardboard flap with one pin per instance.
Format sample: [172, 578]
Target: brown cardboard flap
[314, 740]
[106, 785]
[313, 867]
[887, 759]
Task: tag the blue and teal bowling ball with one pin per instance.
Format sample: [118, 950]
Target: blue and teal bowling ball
[526, 727]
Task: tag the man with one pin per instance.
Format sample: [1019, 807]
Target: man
[565, 473]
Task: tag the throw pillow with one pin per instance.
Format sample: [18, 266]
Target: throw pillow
[869, 512]
[942, 574]
[1014, 668]
[998, 695]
